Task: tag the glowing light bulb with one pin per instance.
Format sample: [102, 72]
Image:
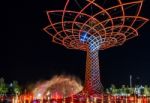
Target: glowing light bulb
[95, 100]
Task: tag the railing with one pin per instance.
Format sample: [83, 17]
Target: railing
[103, 99]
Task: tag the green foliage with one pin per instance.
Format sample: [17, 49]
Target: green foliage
[146, 91]
[3, 87]
[113, 89]
[16, 88]
[125, 90]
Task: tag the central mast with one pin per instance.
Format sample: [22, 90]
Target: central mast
[92, 76]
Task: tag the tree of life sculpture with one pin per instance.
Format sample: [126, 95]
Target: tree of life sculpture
[94, 25]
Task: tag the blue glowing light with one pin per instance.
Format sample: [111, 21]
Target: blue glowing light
[84, 37]
[94, 42]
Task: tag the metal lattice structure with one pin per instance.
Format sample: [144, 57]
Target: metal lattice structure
[92, 26]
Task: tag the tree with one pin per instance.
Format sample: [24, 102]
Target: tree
[123, 89]
[146, 91]
[132, 91]
[16, 88]
[128, 90]
[107, 91]
[113, 89]
[3, 87]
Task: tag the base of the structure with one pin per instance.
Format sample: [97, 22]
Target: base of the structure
[83, 97]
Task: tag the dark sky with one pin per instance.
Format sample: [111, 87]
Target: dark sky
[29, 55]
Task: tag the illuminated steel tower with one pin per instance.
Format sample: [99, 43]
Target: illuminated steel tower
[92, 77]
[93, 25]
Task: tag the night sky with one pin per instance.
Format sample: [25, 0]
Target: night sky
[29, 55]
